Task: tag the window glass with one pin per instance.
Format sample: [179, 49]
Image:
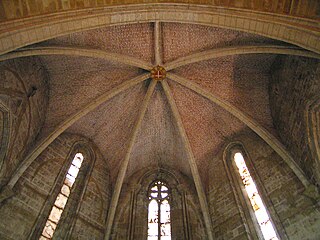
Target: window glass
[62, 198]
[258, 207]
[159, 225]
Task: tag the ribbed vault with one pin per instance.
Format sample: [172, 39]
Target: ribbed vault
[216, 86]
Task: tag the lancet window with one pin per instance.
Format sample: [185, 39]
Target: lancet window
[159, 224]
[62, 198]
[258, 207]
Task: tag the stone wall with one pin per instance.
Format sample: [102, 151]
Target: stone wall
[25, 8]
[132, 212]
[23, 103]
[225, 214]
[295, 215]
[295, 85]
[33, 189]
[90, 223]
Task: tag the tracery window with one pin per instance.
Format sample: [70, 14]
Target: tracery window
[159, 224]
[257, 205]
[62, 198]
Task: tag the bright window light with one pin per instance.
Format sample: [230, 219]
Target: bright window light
[159, 225]
[259, 209]
[62, 198]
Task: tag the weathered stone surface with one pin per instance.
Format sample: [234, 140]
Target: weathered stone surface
[294, 88]
[186, 218]
[298, 214]
[24, 98]
[25, 8]
[32, 190]
[183, 132]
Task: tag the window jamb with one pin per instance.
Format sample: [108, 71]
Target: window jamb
[86, 169]
[70, 185]
[241, 196]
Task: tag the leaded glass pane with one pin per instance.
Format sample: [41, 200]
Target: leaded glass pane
[77, 161]
[165, 218]
[43, 238]
[49, 229]
[55, 214]
[61, 201]
[165, 238]
[154, 195]
[70, 180]
[163, 195]
[164, 188]
[73, 171]
[159, 226]
[153, 218]
[65, 190]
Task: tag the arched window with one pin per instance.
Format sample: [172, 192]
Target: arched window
[69, 179]
[62, 198]
[261, 216]
[159, 224]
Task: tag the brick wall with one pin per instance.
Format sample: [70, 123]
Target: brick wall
[22, 210]
[295, 82]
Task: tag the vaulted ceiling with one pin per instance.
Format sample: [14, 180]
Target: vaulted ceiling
[125, 123]
[95, 60]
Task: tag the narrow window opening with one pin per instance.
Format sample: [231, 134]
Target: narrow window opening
[258, 207]
[62, 198]
[159, 224]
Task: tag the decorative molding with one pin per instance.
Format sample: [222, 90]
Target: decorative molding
[157, 43]
[76, 51]
[26, 9]
[239, 50]
[18, 33]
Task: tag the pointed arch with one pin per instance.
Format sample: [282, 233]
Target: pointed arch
[31, 30]
[159, 211]
[132, 212]
[66, 182]
[250, 194]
